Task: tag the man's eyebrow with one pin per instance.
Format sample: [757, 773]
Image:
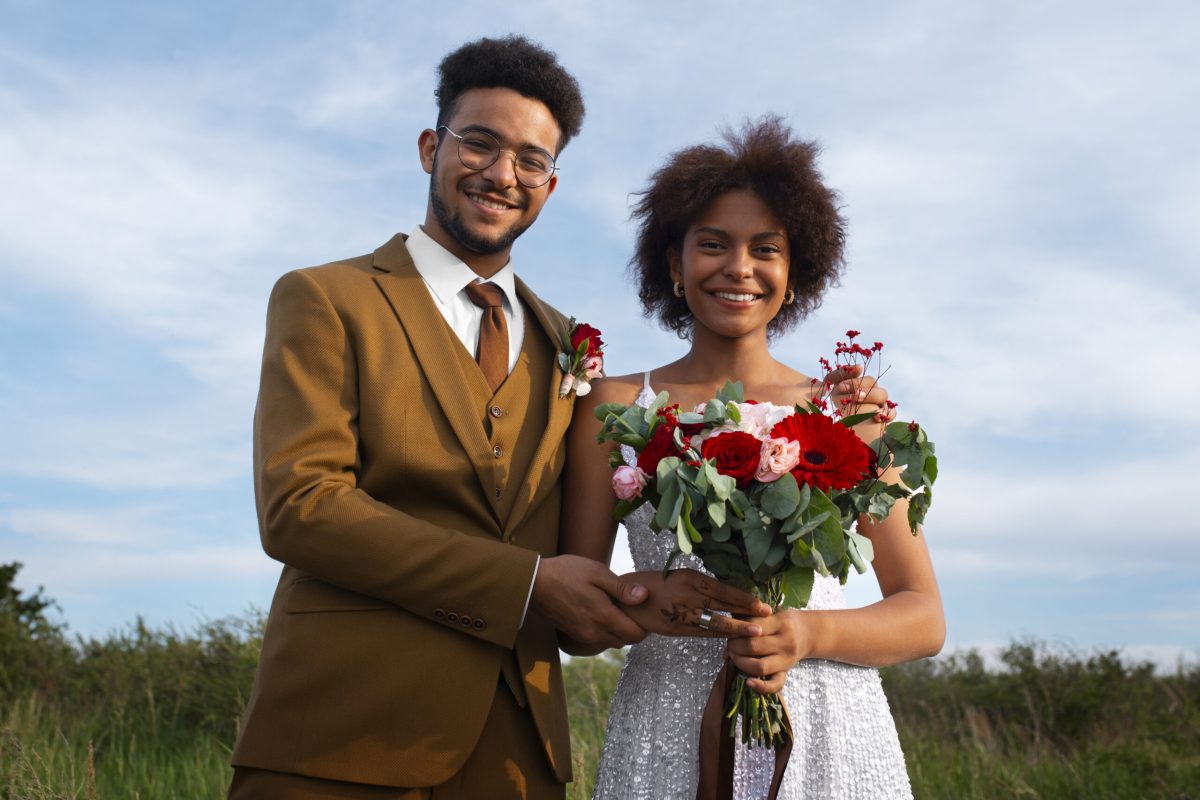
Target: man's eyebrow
[496, 135]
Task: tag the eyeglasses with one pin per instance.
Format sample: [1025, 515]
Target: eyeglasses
[478, 150]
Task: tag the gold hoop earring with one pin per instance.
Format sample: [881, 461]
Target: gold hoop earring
[677, 289]
[789, 297]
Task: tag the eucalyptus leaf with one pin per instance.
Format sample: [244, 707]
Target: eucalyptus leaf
[691, 418]
[716, 512]
[682, 541]
[722, 532]
[670, 504]
[780, 497]
[861, 547]
[731, 392]
[797, 586]
[758, 543]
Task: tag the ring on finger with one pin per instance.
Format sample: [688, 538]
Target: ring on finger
[705, 619]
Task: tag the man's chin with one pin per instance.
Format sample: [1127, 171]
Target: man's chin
[486, 245]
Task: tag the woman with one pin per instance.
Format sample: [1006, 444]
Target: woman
[736, 245]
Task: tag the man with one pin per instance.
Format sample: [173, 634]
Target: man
[407, 458]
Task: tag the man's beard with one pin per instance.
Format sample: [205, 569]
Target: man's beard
[452, 223]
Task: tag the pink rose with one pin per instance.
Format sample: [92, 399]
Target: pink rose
[594, 367]
[628, 482]
[778, 456]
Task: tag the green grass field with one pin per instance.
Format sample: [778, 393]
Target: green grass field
[152, 714]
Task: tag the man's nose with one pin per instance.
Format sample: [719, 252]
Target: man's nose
[503, 171]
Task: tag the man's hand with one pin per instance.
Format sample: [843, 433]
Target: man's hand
[863, 394]
[677, 602]
[579, 596]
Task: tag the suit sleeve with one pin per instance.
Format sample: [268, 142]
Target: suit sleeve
[312, 514]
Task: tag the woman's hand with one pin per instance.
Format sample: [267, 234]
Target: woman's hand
[859, 392]
[787, 637]
[682, 604]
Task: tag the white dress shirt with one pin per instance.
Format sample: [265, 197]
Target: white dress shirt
[446, 277]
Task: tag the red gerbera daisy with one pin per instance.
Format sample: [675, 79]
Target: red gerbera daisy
[831, 455]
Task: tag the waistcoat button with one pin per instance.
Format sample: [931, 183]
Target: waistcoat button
[497, 451]
[495, 411]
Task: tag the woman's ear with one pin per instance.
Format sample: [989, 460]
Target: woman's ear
[674, 267]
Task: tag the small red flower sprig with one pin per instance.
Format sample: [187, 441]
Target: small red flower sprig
[901, 444]
[847, 355]
[581, 358]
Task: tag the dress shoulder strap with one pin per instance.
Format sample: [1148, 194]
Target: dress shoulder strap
[646, 380]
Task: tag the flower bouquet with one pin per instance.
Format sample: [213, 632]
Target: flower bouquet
[766, 496]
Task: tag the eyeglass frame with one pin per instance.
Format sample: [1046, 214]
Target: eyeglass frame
[515, 156]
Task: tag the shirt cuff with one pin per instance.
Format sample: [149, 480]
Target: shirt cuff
[529, 596]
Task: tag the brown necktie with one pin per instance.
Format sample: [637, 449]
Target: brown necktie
[493, 332]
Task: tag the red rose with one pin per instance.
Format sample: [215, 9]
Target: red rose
[831, 455]
[661, 445]
[737, 454]
[592, 335]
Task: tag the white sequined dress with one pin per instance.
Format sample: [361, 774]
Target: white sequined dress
[845, 744]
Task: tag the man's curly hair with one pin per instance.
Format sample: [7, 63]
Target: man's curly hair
[766, 159]
[514, 63]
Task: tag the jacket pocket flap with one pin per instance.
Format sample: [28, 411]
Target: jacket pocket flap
[309, 595]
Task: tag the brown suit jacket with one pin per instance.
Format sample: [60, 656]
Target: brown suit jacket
[407, 564]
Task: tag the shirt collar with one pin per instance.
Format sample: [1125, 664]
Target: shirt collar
[446, 275]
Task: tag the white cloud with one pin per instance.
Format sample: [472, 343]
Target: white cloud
[124, 527]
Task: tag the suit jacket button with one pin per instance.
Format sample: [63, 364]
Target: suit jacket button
[498, 492]
[437, 612]
[452, 617]
[466, 621]
[480, 624]
[495, 411]
[497, 451]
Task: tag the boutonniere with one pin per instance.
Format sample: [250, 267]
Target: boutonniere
[581, 358]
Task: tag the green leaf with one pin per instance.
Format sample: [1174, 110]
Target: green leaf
[860, 549]
[797, 586]
[855, 419]
[604, 409]
[758, 542]
[781, 497]
[667, 513]
[732, 412]
[809, 525]
[682, 541]
[721, 533]
[714, 411]
[651, 412]
[686, 516]
[731, 392]
[930, 470]
[716, 512]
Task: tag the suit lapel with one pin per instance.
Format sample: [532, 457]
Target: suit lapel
[434, 345]
[540, 477]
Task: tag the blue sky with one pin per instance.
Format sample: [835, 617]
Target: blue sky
[1021, 181]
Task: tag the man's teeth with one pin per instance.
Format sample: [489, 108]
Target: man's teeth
[483, 201]
[737, 298]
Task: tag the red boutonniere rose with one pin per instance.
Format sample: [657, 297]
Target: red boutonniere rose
[581, 359]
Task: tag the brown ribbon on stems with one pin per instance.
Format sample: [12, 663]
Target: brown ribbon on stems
[716, 745]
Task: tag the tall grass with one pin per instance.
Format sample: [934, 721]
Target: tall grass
[152, 714]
